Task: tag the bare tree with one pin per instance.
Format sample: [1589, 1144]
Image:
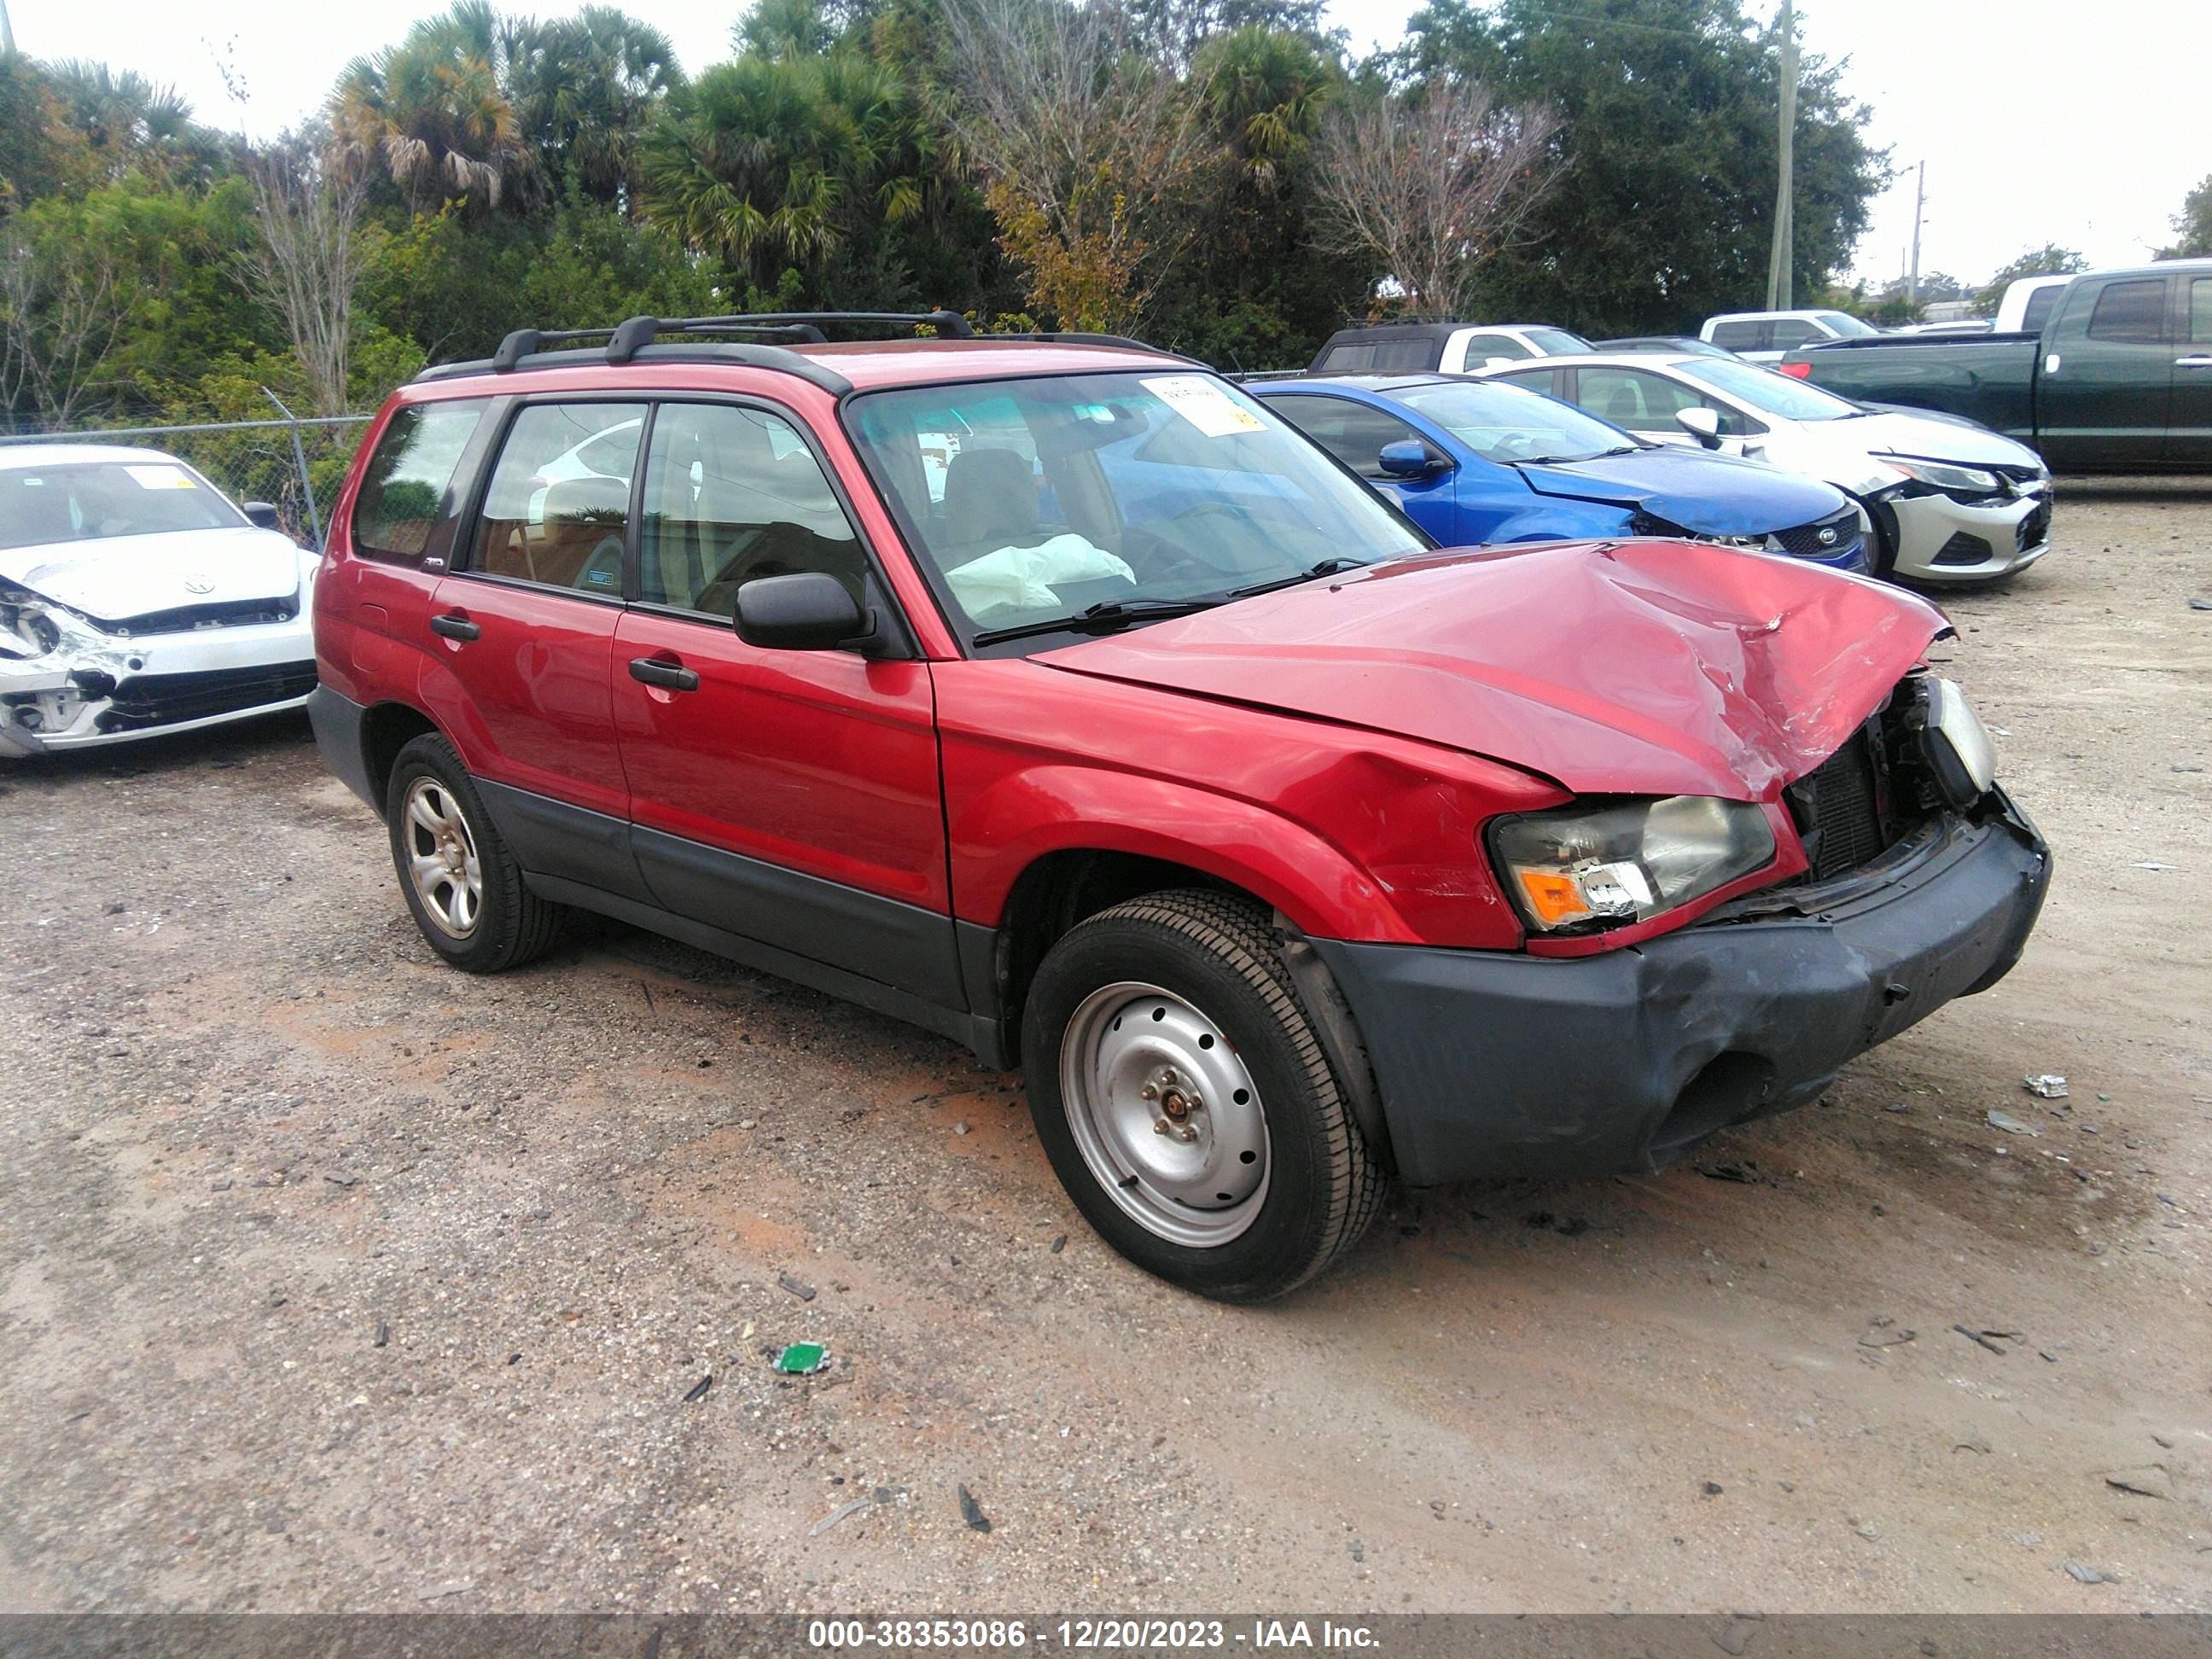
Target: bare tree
[59, 319]
[306, 265]
[1432, 181]
[1092, 150]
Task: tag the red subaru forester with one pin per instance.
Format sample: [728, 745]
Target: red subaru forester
[1051, 694]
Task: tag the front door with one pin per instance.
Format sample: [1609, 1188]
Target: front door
[788, 797]
[524, 631]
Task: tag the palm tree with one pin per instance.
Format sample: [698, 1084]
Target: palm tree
[585, 89]
[131, 123]
[433, 114]
[1265, 90]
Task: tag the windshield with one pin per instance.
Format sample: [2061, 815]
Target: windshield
[1556, 342]
[1038, 500]
[1775, 394]
[1506, 424]
[1846, 326]
[91, 500]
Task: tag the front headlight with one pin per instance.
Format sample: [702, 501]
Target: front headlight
[25, 628]
[1959, 751]
[1586, 867]
[1951, 480]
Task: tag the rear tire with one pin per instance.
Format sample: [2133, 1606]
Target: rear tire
[460, 879]
[1186, 1103]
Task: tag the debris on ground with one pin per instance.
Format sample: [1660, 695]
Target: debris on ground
[2009, 1124]
[2084, 1575]
[2196, 604]
[802, 1358]
[340, 1180]
[844, 1511]
[1887, 1334]
[1059, 1244]
[383, 1334]
[1731, 1170]
[2026, 1541]
[2149, 1480]
[451, 1587]
[798, 1287]
[961, 1127]
[699, 1388]
[2047, 1085]
[971, 1511]
[1983, 1337]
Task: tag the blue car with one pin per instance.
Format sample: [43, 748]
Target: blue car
[1475, 463]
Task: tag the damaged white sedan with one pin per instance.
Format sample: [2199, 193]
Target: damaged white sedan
[136, 599]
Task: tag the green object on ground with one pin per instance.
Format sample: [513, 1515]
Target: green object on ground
[802, 1358]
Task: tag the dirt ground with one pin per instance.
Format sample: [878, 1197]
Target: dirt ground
[332, 1279]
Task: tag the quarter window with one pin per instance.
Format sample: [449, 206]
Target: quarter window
[733, 492]
[557, 510]
[407, 509]
[2132, 312]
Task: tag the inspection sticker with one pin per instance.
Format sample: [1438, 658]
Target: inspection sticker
[161, 477]
[1203, 404]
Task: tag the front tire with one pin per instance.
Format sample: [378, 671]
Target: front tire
[459, 878]
[1186, 1103]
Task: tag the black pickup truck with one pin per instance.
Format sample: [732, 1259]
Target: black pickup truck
[2119, 380]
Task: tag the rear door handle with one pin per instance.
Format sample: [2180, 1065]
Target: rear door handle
[454, 626]
[659, 670]
[2192, 362]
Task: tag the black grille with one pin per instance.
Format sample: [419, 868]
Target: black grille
[1837, 806]
[1963, 549]
[166, 699]
[2034, 527]
[232, 613]
[1843, 530]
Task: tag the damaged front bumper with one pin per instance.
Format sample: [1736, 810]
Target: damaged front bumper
[93, 689]
[1492, 1064]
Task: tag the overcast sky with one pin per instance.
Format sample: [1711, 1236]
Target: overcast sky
[2074, 121]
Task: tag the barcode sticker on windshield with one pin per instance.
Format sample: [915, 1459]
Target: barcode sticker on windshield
[161, 477]
[1203, 404]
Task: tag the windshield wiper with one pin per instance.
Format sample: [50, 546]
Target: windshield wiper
[1105, 617]
[1328, 567]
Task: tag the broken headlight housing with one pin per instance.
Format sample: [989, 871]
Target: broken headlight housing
[27, 625]
[1965, 483]
[1590, 866]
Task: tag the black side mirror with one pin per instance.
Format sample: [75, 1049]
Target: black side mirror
[262, 515]
[1409, 457]
[806, 611]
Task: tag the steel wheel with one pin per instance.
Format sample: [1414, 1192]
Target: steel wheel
[1165, 1113]
[442, 858]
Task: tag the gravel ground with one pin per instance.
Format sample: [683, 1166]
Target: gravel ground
[331, 1280]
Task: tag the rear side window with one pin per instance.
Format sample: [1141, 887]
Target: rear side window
[557, 510]
[1744, 336]
[2040, 305]
[408, 508]
[1347, 360]
[1354, 433]
[1790, 331]
[2200, 310]
[2132, 312]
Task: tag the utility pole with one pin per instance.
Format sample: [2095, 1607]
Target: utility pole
[1919, 199]
[1780, 282]
[7, 30]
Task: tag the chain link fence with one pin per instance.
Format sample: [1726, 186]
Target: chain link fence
[296, 465]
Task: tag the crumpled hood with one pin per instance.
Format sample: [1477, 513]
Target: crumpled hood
[1644, 667]
[1895, 432]
[120, 576]
[1696, 490]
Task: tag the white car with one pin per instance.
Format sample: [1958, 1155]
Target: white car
[1950, 501]
[1761, 337]
[135, 599]
[2027, 303]
[1438, 347]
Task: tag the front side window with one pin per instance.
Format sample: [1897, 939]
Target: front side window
[557, 508]
[1634, 400]
[1126, 490]
[407, 507]
[1352, 432]
[1558, 342]
[93, 500]
[1483, 348]
[732, 493]
[1506, 424]
[1845, 326]
[2134, 313]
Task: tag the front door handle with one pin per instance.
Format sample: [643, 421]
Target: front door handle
[659, 670]
[2192, 362]
[454, 626]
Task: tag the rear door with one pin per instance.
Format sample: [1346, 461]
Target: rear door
[788, 797]
[525, 628]
[2189, 421]
[2104, 395]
